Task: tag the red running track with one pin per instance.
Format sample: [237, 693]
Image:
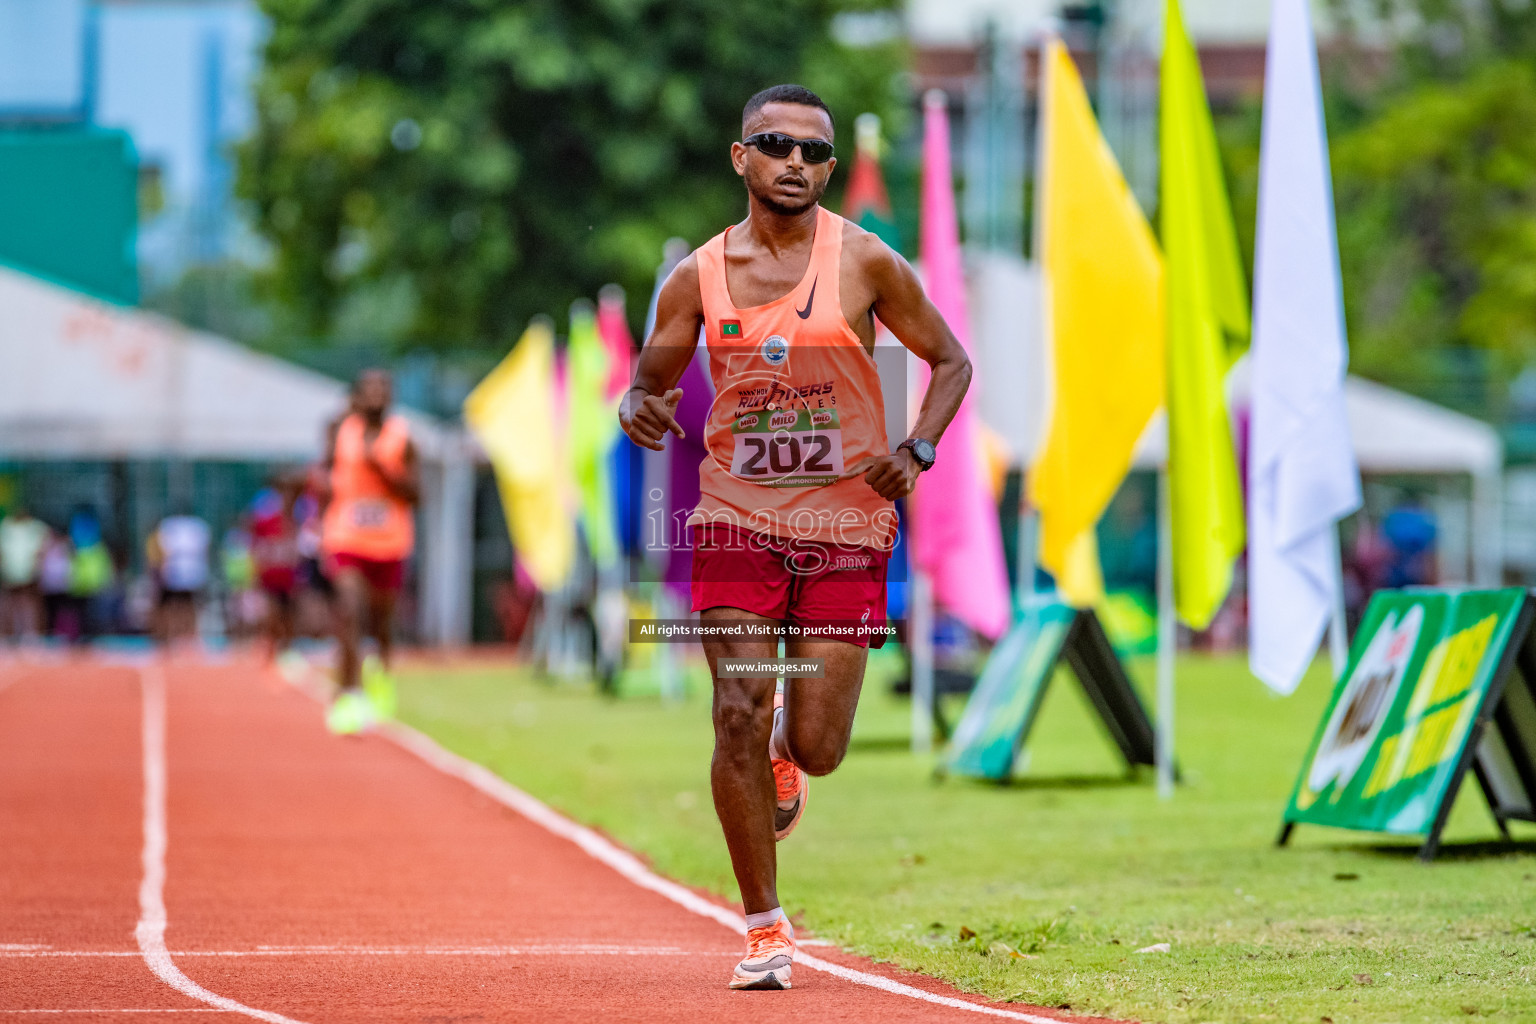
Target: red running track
[186, 839]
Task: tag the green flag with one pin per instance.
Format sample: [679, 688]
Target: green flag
[866, 202]
[1207, 307]
[593, 423]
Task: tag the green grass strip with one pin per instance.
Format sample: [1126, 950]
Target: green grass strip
[1074, 866]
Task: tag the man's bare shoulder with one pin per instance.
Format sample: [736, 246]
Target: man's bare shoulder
[682, 284]
[687, 269]
[869, 256]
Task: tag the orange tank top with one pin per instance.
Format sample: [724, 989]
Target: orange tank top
[365, 518]
[797, 400]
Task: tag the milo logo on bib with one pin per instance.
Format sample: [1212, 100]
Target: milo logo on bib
[791, 448]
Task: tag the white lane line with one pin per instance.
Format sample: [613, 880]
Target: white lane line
[150, 931]
[193, 1009]
[373, 951]
[628, 865]
[9, 678]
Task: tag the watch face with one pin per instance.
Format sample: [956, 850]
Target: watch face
[924, 451]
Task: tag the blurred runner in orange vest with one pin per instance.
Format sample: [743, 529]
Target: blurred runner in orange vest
[367, 533]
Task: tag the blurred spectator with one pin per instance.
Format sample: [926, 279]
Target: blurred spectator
[55, 568]
[308, 511]
[1409, 530]
[1366, 559]
[237, 570]
[515, 601]
[23, 539]
[178, 553]
[275, 555]
[91, 573]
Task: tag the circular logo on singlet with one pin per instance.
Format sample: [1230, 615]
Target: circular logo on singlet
[775, 349]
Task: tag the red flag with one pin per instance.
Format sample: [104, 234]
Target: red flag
[613, 327]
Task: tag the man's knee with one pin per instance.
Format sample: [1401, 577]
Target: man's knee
[352, 596]
[742, 716]
[817, 757]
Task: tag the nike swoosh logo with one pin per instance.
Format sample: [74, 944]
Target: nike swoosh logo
[806, 312]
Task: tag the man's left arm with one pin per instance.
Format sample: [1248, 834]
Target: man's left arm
[407, 483]
[904, 308]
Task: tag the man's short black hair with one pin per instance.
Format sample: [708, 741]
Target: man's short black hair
[782, 94]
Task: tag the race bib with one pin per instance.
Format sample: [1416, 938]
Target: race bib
[787, 447]
[370, 515]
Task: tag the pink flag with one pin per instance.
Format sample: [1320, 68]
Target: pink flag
[955, 531]
[613, 327]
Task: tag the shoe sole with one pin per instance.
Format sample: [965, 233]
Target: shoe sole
[779, 835]
[776, 980]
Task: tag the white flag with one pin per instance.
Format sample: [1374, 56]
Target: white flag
[1302, 476]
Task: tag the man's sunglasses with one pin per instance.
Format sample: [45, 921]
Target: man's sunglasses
[812, 151]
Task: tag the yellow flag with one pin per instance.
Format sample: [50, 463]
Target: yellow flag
[1104, 312]
[512, 412]
[1207, 302]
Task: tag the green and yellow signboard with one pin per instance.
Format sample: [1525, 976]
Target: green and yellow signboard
[1012, 687]
[1428, 671]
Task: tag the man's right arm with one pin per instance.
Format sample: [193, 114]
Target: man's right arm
[647, 412]
[323, 493]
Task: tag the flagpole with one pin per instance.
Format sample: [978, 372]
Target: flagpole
[1028, 540]
[919, 614]
[1167, 628]
[1029, 516]
[1338, 631]
[1167, 635]
[920, 649]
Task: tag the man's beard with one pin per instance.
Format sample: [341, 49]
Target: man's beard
[764, 196]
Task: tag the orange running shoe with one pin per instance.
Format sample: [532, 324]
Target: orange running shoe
[791, 785]
[770, 952]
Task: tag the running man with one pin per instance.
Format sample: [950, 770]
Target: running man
[796, 521]
[367, 533]
[274, 533]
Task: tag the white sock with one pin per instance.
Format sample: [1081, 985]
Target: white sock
[776, 744]
[764, 919]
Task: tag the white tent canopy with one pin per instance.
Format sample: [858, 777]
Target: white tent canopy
[1392, 432]
[1396, 433]
[84, 379]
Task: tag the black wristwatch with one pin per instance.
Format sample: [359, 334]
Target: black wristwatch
[922, 450]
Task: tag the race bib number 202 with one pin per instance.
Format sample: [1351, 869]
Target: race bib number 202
[788, 447]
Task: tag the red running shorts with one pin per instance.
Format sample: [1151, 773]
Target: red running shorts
[386, 575]
[807, 583]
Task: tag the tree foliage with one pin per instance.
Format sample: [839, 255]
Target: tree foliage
[1435, 173]
[1439, 232]
[453, 167]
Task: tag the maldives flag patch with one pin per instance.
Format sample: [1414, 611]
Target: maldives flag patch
[730, 328]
